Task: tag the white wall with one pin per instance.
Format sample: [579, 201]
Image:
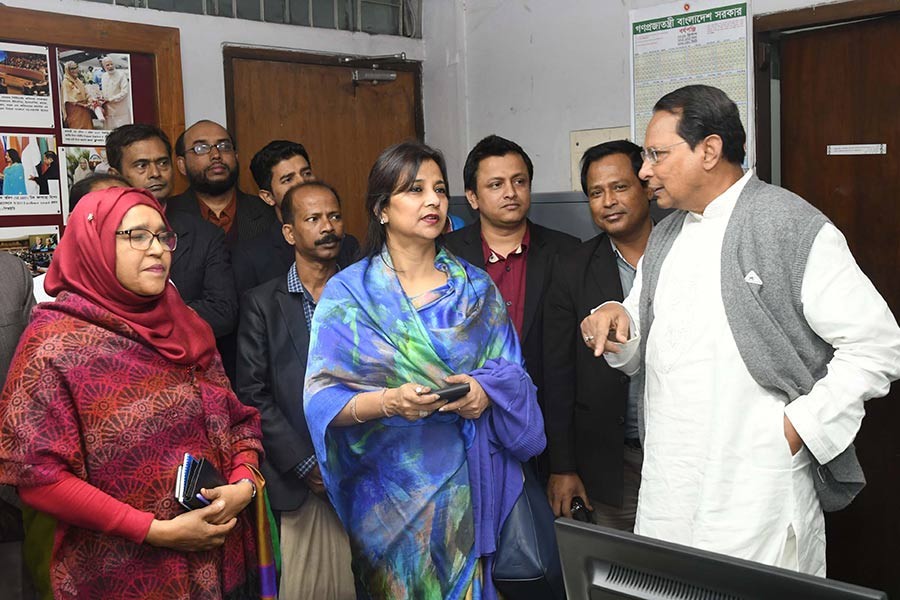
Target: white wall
[444, 84]
[532, 70]
[202, 39]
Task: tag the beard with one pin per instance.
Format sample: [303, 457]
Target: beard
[199, 182]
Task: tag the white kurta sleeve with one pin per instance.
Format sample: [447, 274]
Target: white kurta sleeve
[844, 309]
[628, 360]
[115, 87]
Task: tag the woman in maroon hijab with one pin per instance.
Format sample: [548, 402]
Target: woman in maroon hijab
[110, 386]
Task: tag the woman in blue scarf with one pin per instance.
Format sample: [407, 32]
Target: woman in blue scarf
[422, 486]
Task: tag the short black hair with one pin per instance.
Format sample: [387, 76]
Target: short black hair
[287, 205]
[86, 186]
[492, 145]
[600, 151]
[704, 110]
[271, 154]
[179, 143]
[126, 135]
[51, 154]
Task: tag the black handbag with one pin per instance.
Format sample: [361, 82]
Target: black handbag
[526, 564]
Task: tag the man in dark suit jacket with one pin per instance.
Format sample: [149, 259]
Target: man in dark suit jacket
[592, 437]
[276, 168]
[201, 265]
[273, 341]
[518, 254]
[206, 154]
[48, 170]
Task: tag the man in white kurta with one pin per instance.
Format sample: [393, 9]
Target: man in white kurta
[720, 470]
[117, 94]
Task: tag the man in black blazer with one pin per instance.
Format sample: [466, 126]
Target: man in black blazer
[276, 168]
[201, 265]
[48, 170]
[518, 255]
[592, 437]
[206, 154]
[273, 341]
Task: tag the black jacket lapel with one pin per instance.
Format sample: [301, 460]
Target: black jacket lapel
[291, 306]
[604, 270]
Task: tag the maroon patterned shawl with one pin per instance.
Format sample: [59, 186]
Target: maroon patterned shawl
[85, 394]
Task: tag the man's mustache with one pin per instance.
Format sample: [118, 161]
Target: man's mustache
[328, 238]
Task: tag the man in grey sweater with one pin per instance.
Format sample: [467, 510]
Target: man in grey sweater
[755, 338]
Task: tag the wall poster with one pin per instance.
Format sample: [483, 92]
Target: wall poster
[25, 99]
[34, 245]
[95, 94]
[79, 162]
[29, 175]
[684, 43]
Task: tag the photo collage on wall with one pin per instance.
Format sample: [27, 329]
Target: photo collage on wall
[57, 105]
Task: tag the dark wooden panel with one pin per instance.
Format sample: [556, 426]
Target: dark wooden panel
[824, 14]
[841, 85]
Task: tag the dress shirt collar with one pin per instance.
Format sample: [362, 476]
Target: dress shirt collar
[491, 257]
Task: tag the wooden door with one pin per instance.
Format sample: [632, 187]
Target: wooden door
[841, 85]
[344, 126]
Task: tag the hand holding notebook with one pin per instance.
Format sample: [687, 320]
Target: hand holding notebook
[194, 475]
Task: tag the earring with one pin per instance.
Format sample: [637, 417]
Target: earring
[381, 221]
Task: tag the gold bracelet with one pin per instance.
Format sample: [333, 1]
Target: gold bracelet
[353, 409]
[383, 407]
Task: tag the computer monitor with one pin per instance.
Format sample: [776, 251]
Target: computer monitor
[600, 563]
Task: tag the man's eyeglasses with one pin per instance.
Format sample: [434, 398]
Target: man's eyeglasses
[142, 239]
[653, 155]
[223, 148]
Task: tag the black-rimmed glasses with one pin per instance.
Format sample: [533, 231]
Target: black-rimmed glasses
[142, 239]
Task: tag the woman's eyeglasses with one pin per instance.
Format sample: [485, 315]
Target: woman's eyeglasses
[142, 239]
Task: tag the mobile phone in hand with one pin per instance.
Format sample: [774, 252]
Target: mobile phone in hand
[451, 392]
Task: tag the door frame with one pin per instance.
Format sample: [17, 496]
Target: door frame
[766, 30]
[231, 53]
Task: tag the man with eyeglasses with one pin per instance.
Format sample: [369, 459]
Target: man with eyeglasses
[206, 154]
[755, 340]
[201, 265]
